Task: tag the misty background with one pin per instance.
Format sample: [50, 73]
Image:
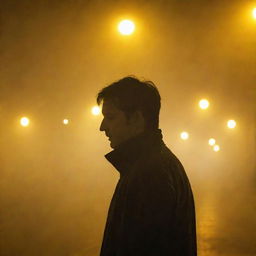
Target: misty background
[55, 56]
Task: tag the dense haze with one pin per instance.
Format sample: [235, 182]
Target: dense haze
[55, 56]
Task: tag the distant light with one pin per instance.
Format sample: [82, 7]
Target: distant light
[126, 27]
[24, 121]
[65, 121]
[216, 148]
[96, 110]
[254, 13]
[204, 104]
[184, 135]
[231, 124]
[212, 142]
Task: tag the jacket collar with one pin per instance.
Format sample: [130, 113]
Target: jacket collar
[125, 154]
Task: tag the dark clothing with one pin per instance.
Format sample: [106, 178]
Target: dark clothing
[152, 210]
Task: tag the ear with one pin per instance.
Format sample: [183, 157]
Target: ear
[137, 120]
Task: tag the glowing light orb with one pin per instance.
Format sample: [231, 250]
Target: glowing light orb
[126, 27]
[96, 110]
[231, 124]
[184, 135]
[212, 141]
[65, 121]
[254, 13]
[216, 148]
[204, 104]
[24, 121]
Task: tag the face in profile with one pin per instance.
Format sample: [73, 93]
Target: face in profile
[115, 124]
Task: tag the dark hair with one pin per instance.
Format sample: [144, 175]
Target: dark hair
[130, 94]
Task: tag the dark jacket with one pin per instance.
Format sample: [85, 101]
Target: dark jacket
[152, 211]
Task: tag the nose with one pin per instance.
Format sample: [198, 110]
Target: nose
[102, 126]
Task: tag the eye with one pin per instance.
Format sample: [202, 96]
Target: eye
[110, 117]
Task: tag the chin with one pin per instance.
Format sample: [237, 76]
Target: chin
[112, 145]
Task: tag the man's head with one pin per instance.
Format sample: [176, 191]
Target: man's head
[130, 107]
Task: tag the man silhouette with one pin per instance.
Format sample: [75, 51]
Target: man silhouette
[152, 211]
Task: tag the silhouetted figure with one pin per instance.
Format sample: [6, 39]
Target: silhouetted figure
[152, 211]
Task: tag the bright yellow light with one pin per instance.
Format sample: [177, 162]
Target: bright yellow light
[254, 13]
[231, 124]
[204, 104]
[96, 110]
[184, 135]
[126, 27]
[216, 148]
[24, 121]
[212, 142]
[65, 121]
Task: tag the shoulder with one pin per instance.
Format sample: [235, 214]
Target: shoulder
[161, 164]
[160, 158]
[154, 166]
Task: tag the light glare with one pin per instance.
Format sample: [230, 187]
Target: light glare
[212, 141]
[24, 121]
[184, 135]
[204, 104]
[126, 27]
[65, 121]
[231, 124]
[216, 148]
[96, 110]
[254, 13]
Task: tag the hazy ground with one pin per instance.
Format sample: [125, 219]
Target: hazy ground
[226, 223]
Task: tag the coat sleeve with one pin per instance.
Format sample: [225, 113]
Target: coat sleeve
[147, 217]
